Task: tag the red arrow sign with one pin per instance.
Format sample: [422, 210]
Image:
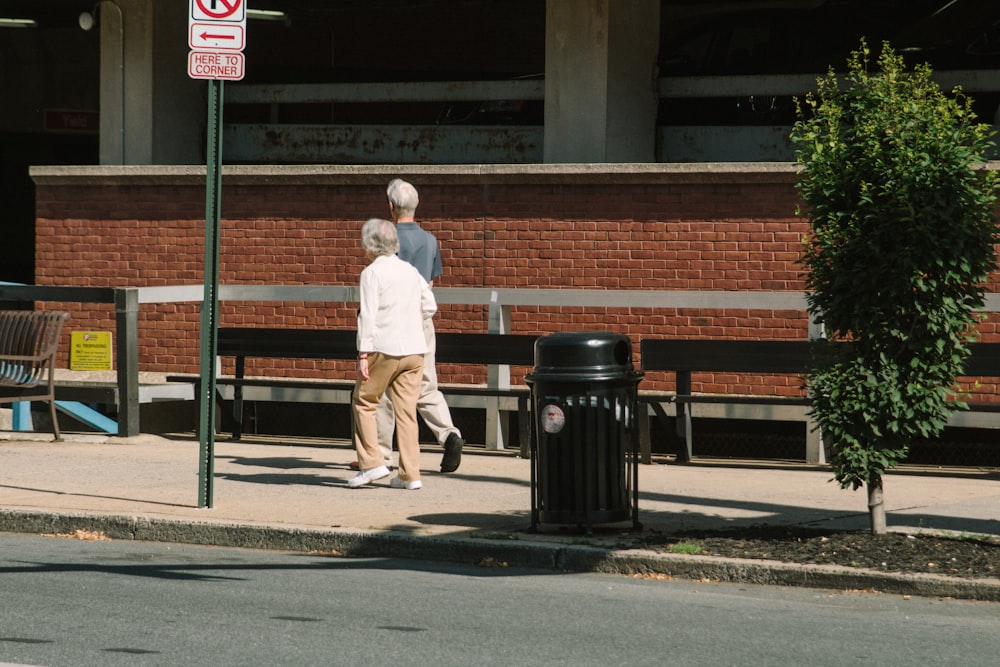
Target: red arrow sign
[227, 36]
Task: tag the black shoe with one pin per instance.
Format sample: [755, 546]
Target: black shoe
[452, 453]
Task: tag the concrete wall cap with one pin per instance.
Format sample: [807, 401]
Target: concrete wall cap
[569, 174]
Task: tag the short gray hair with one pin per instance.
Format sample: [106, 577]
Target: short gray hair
[378, 237]
[403, 196]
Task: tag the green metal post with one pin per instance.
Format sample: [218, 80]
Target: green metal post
[210, 303]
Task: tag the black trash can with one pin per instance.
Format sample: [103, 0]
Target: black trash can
[584, 437]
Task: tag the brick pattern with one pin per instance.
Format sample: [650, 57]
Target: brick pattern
[686, 237]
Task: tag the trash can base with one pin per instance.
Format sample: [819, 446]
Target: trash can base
[583, 518]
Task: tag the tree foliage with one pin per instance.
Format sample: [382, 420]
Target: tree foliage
[902, 239]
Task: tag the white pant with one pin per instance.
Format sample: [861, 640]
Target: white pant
[430, 405]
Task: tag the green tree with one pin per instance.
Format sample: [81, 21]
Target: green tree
[902, 239]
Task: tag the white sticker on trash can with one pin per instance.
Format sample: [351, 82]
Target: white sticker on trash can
[553, 418]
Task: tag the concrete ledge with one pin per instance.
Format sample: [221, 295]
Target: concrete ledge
[653, 173]
[470, 174]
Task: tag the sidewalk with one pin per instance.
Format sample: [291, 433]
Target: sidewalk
[292, 494]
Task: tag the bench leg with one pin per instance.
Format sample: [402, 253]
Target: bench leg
[237, 413]
[55, 419]
[645, 439]
[497, 425]
[684, 432]
[238, 399]
[684, 416]
[21, 416]
[815, 454]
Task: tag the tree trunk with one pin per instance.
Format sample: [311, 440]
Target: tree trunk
[876, 508]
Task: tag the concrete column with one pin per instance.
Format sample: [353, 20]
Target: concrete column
[600, 80]
[151, 111]
[179, 103]
[111, 20]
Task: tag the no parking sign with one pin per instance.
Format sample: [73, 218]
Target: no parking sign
[218, 10]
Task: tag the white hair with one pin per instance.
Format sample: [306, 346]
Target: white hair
[378, 237]
[402, 196]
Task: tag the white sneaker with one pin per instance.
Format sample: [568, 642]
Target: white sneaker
[367, 476]
[397, 483]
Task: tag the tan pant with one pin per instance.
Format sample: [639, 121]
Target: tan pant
[399, 378]
[431, 404]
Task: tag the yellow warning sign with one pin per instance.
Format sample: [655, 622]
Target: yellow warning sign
[90, 351]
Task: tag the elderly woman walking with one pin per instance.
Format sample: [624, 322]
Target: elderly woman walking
[395, 299]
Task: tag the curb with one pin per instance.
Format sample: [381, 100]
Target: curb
[503, 553]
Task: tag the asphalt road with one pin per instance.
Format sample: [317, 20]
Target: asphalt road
[73, 602]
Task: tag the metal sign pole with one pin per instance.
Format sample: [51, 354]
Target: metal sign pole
[210, 302]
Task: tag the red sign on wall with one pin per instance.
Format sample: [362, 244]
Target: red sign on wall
[72, 120]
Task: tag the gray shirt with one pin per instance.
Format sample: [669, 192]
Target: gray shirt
[420, 248]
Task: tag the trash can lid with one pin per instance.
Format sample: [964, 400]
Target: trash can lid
[583, 352]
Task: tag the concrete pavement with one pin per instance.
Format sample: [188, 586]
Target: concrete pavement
[292, 494]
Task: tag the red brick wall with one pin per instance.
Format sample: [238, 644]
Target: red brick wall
[593, 231]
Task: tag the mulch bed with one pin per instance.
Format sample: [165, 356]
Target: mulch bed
[966, 556]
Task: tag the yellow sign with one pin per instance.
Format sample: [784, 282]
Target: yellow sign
[90, 351]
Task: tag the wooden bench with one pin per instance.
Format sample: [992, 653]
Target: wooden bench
[340, 344]
[683, 357]
[29, 341]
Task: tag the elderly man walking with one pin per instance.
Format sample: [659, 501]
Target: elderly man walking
[420, 248]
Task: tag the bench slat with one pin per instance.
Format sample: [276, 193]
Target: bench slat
[457, 348]
[985, 360]
[735, 356]
[768, 356]
[287, 343]
[297, 383]
[485, 348]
